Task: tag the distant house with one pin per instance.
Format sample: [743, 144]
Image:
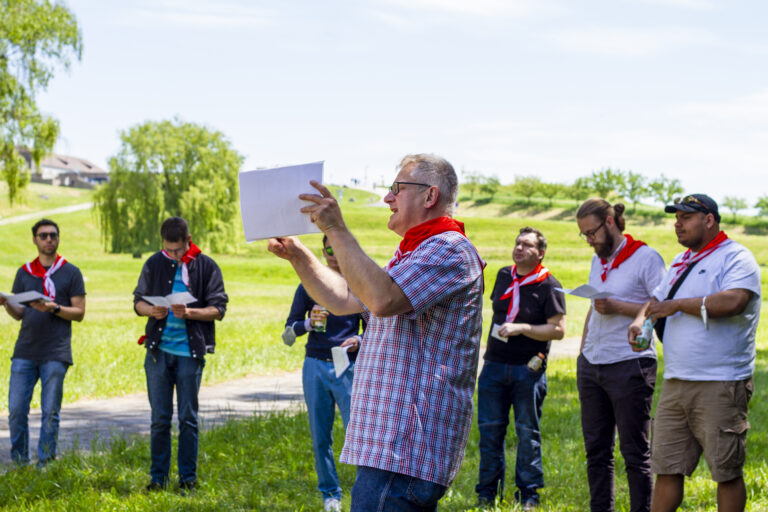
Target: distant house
[65, 171]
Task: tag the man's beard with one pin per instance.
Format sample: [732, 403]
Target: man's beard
[605, 249]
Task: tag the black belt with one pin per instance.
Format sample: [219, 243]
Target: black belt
[326, 359]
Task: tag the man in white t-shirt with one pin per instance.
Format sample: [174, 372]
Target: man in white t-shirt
[615, 383]
[709, 357]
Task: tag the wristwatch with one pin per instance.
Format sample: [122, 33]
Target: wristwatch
[56, 311]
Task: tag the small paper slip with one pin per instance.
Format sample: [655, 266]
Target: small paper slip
[495, 333]
[173, 298]
[24, 298]
[587, 292]
[270, 204]
[340, 359]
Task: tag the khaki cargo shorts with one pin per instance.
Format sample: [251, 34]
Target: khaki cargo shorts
[696, 416]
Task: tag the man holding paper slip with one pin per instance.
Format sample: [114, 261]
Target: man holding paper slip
[44, 347]
[615, 383]
[710, 299]
[528, 313]
[325, 385]
[177, 339]
[414, 378]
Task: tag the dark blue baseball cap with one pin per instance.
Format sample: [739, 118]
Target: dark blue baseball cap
[695, 203]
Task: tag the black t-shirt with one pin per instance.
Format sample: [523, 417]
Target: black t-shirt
[538, 302]
[45, 336]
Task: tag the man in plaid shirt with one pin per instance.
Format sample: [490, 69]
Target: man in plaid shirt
[415, 375]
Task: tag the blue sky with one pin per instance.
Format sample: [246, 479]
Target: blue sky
[553, 88]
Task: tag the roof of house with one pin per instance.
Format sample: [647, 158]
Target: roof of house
[71, 163]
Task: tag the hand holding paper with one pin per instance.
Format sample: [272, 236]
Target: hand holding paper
[324, 211]
[25, 298]
[586, 291]
[340, 359]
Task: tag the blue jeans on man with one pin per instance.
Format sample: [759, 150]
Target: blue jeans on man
[164, 372]
[501, 386]
[378, 490]
[322, 392]
[24, 375]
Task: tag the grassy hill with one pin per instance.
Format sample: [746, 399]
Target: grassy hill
[266, 463]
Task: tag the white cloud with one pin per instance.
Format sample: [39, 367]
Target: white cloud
[205, 14]
[628, 41]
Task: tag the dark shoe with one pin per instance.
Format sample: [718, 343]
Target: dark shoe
[527, 500]
[155, 486]
[187, 486]
[485, 502]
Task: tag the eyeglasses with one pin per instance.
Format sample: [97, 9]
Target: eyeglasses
[45, 236]
[329, 250]
[395, 187]
[592, 232]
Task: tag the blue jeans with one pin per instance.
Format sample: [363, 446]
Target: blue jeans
[376, 490]
[24, 376]
[500, 387]
[164, 371]
[322, 392]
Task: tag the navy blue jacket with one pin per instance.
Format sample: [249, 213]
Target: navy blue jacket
[337, 330]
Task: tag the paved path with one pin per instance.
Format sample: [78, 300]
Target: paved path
[87, 420]
[45, 213]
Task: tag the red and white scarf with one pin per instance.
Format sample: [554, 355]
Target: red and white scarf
[536, 275]
[190, 255]
[417, 234]
[687, 260]
[628, 250]
[35, 268]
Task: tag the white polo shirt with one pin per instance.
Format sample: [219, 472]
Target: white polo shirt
[633, 281]
[726, 350]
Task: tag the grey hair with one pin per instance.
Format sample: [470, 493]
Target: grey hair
[436, 171]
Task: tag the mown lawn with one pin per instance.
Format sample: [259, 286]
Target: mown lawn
[266, 463]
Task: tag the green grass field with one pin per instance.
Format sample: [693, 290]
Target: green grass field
[266, 463]
[37, 197]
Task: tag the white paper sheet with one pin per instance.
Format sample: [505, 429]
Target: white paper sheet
[270, 204]
[170, 299]
[340, 359]
[495, 333]
[24, 298]
[586, 291]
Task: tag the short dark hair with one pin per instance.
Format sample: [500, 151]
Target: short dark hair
[175, 229]
[541, 240]
[44, 222]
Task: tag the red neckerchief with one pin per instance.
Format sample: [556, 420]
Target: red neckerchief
[417, 234]
[686, 260]
[536, 275]
[35, 268]
[629, 249]
[190, 255]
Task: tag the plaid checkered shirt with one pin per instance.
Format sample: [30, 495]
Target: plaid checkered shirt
[415, 376]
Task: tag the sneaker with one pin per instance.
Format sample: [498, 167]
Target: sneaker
[331, 505]
[531, 505]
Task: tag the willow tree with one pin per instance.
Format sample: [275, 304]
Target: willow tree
[170, 168]
[35, 37]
